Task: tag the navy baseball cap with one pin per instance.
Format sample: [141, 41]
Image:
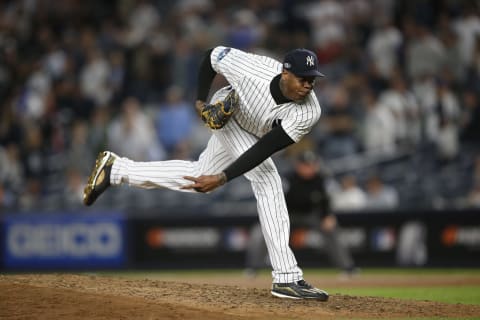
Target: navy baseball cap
[302, 62]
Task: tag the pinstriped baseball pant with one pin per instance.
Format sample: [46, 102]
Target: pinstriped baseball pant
[223, 148]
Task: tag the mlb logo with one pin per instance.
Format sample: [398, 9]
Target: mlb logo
[383, 239]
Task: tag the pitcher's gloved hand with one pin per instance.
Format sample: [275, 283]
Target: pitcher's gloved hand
[216, 115]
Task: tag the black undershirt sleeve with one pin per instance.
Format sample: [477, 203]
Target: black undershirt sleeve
[277, 139]
[205, 76]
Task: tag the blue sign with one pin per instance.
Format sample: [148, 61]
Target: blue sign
[47, 241]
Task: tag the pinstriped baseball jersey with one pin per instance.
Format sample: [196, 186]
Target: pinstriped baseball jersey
[251, 75]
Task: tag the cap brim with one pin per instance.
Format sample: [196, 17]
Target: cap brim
[311, 73]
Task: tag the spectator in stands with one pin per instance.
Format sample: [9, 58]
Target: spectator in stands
[246, 32]
[11, 175]
[379, 195]
[441, 111]
[79, 149]
[30, 103]
[424, 54]
[133, 133]
[70, 104]
[470, 118]
[174, 122]
[31, 196]
[473, 70]
[350, 197]
[339, 121]
[142, 17]
[402, 103]
[5, 202]
[73, 191]
[445, 123]
[476, 170]
[473, 199]
[98, 129]
[33, 153]
[467, 26]
[11, 130]
[384, 46]
[329, 32]
[378, 127]
[95, 76]
[454, 67]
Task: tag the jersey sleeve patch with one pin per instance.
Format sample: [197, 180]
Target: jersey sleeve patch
[223, 53]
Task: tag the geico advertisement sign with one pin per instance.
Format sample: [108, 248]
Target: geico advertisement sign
[101, 239]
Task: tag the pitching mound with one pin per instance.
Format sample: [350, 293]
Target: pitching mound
[64, 296]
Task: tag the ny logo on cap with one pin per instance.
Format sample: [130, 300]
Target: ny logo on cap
[310, 61]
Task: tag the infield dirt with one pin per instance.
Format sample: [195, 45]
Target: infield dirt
[71, 296]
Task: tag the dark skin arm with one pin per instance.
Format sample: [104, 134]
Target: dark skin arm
[205, 183]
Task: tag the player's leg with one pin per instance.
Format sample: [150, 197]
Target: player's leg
[169, 174]
[267, 186]
[111, 169]
[271, 205]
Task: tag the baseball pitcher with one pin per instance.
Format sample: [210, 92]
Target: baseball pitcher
[267, 106]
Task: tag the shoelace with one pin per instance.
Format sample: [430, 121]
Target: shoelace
[304, 283]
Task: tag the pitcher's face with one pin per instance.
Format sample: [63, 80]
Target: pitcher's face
[294, 87]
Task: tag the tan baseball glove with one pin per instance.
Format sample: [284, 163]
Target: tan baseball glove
[216, 115]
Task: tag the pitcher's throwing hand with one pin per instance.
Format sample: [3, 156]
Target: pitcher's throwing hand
[205, 183]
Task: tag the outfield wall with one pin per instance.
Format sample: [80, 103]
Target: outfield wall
[119, 240]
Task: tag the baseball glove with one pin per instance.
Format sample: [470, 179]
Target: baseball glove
[216, 115]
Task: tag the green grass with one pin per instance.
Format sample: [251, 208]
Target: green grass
[435, 318]
[404, 271]
[466, 294]
[450, 294]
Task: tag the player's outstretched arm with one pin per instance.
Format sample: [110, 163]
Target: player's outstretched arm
[276, 140]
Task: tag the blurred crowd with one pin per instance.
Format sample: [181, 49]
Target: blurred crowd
[81, 76]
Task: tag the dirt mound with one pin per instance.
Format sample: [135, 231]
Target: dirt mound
[66, 296]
